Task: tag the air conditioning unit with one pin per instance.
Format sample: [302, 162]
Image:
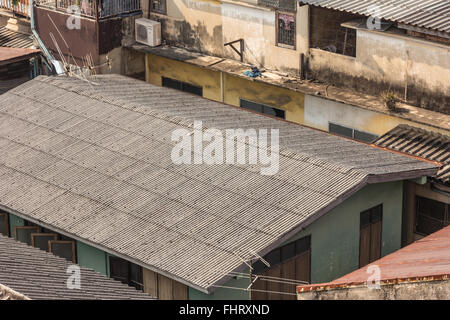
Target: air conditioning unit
[148, 32]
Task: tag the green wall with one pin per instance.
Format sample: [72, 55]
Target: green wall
[92, 258]
[224, 293]
[14, 221]
[335, 236]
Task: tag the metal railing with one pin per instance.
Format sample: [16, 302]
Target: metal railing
[21, 7]
[94, 8]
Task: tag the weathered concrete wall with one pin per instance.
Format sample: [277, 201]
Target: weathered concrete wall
[319, 112]
[195, 24]
[386, 60]
[205, 25]
[226, 88]
[258, 27]
[421, 290]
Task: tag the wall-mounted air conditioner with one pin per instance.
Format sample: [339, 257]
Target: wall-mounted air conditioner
[148, 32]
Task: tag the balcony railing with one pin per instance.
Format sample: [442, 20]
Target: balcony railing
[21, 7]
[97, 9]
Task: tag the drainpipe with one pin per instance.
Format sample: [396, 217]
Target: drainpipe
[47, 54]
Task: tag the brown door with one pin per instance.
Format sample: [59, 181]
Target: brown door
[370, 235]
[289, 263]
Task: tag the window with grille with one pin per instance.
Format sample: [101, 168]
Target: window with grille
[159, 6]
[286, 29]
[351, 133]
[182, 86]
[431, 215]
[262, 108]
[4, 223]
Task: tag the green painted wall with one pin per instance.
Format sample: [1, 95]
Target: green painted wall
[92, 258]
[14, 221]
[335, 236]
[224, 293]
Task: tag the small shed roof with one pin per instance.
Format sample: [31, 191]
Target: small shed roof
[425, 259]
[10, 55]
[422, 143]
[39, 275]
[430, 14]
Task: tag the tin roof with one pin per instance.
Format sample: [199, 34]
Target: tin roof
[422, 143]
[9, 38]
[10, 55]
[425, 259]
[40, 275]
[95, 161]
[430, 14]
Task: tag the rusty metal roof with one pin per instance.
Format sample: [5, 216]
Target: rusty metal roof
[422, 143]
[93, 161]
[40, 275]
[430, 14]
[10, 55]
[425, 259]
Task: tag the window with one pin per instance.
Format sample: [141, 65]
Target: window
[431, 215]
[351, 133]
[370, 235]
[182, 86]
[126, 272]
[264, 109]
[4, 224]
[23, 234]
[286, 30]
[63, 249]
[41, 240]
[291, 261]
[158, 6]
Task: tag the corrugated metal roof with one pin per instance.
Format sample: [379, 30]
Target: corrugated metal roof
[421, 143]
[428, 258]
[93, 160]
[431, 14]
[9, 38]
[9, 55]
[40, 275]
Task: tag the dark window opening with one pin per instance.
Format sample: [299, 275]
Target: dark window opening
[126, 272]
[158, 6]
[351, 133]
[431, 216]
[286, 29]
[182, 86]
[327, 32]
[261, 108]
[370, 235]
[4, 224]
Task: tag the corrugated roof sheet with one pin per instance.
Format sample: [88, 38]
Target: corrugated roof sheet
[9, 55]
[424, 259]
[431, 14]
[93, 160]
[422, 143]
[39, 275]
[12, 39]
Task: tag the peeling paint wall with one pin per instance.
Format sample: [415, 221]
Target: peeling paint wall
[319, 112]
[421, 290]
[205, 25]
[233, 87]
[386, 60]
